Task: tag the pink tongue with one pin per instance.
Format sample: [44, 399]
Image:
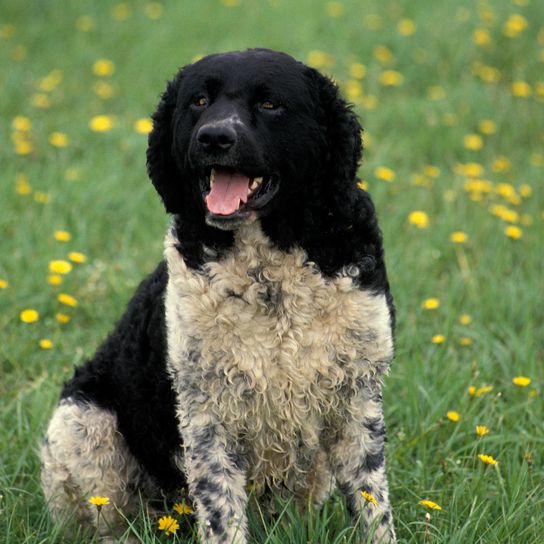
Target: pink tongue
[226, 193]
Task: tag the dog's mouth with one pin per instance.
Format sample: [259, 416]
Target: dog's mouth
[231, 194]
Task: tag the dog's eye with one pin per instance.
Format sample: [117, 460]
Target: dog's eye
[268, 105]
[201, 102]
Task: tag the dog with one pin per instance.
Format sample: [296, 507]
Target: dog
[252, 359]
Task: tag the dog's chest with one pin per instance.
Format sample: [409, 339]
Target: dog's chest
[272, 346]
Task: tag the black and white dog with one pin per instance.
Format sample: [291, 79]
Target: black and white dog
[253, 356]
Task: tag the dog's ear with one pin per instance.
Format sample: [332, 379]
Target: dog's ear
[343, 134]
[161, 166]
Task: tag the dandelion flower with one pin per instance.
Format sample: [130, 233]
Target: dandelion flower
[369, 498]
[465, 341]
[103, 68]
[419, 219]
[41, 197]
[21, 123]
[319, 59]
[521, 381]
[382, 54]
[438, 339]
[465, 319]
[406, 27]
[60, 266]
[68, 300]
[384, 174]
[62, 236]
[4, 284]
[521, 89]
[334, 9]
[481, 37]
[29, 316]
[45, 343]
[54, 279]
[487, 127]
[431, 303]
[103, 90]
[143, 126]
[453, 416]
[513, 232]
[458, 237]
[515, 25]
[101, 123]
[63, 319]
[22, 186]
[357, 70]
[99, 501]
[85, 23]
[481, 430]
[474, 142]
[483, 390]
[77, 257]
[153, 10]
[168, 524]
[436, 92]
[363, 185]
[430, 504]
[181, 508]
[487, 459]
[391, 78]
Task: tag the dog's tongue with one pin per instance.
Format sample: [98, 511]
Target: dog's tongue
[227, 191]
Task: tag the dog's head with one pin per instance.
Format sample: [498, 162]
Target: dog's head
[246, 134]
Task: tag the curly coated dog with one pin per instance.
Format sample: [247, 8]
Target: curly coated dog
[252, 358]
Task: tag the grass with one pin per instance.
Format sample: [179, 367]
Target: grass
[449, 85]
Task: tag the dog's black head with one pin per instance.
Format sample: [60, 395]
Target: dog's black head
[250, 134]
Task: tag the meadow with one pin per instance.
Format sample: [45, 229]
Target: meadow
[451, 95]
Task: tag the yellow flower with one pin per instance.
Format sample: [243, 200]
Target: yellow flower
[168, 524]
[431, 171]
[51, 81]
[59, 139]
[319, 59]
[515, 25]
[487, 459]
[430, 504]
[153, 10]
[469, 169]
[465, 341]
[431, 303]
[373, 21]
[121, 12]
[77, 257]
[521, 381]
[4, 284]
[436, 92]
[406, 27]
[487, 126]
[474, 142]
[41, 197]
[103, 68]
[99, 501]
[181, 508]
[369, 498]
[453, 416]
[54, 279]
[62, 318]
[438, 339]
[521, 89]
[458, 237]
[103, 90]
[68, 300]
[357, 70]
[513, 232]
[363, 185]
[40, 100]
[385, 174]
[483, 390]
[143, 126]
[472, 390]
[481, 430]
[7, 31]
[60, 266]
[21, 123]
[391, 78]
[354, 89]
[482, 37]
[62, 236]
[101, 123]
[334, 9]
[22, 186]
[419, 219]
[465, 319]
[525, 190]
[29, 316]
[382, 54]
[85, 23]
[45, 343]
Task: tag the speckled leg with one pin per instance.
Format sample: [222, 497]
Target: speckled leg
[357, 458]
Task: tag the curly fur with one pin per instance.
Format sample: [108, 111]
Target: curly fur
[253, 356]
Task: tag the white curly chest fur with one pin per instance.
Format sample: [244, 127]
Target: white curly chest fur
[263, 345]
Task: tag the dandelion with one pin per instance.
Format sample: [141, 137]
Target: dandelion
[101, 123]
[354, 90]
[391, 78]
[513, 232]
[319, 59]
[482, 37]
[465, 319]
[487, 459]
[99, 501]
[521, 89]
[168, 524]
[60, 266]
[45, 343]
[453, 416]
[431, 303]
[85, 23]
[68, 300]
[482, 390]
[515, 25]
[59, 139]
[406, 27]
[62, 236]
[21, 123]
[419, 219]
[54, 279]
[29, 316]
[77, 257]
[521, 381]
[458, 237]
[334, 9]
[41, 197]
[143, 126]
[430, 504]
[63, 319]
[4, 284]
[431, 171]
[103, 90]
[487, 127]
[153, 10]
[373, 21]
[181, 508]
[383, 54]
[103, 68]
[357, 70]
[481, 430]
[384, 174]
[465, 341]
[369, 498]
[474, 142]
[438, 339]
[40, 100]
[363, 185]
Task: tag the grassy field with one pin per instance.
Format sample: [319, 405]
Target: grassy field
[451, 95]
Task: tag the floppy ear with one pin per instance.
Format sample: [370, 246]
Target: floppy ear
[161, 166]
[343, 137]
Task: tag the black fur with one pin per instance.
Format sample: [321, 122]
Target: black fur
[314, 143]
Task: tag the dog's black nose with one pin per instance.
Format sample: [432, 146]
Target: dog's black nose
[216, 137]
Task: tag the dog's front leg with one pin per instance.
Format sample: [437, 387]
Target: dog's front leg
[216, 477]
[357, 458]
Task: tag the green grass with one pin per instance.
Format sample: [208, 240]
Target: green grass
[493, 278]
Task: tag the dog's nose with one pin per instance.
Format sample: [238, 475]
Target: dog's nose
[216, 137]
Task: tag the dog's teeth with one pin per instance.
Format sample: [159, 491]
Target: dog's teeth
[255, 183]
[212, 177]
